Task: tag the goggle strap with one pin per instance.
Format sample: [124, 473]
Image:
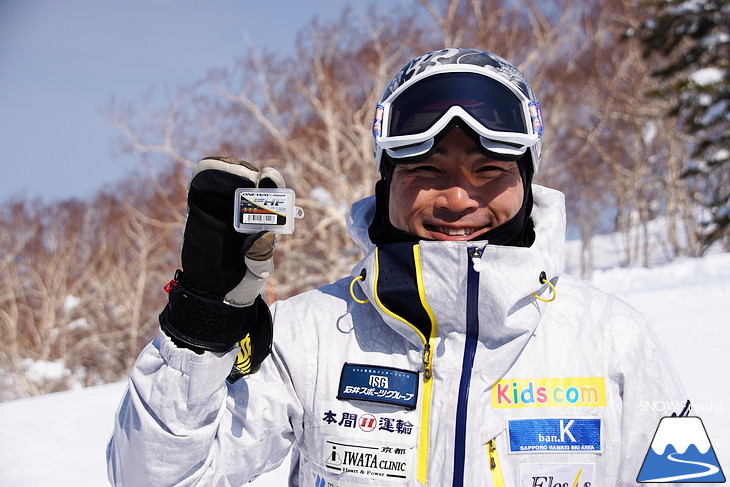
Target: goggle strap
[535, 117]
[378, 121]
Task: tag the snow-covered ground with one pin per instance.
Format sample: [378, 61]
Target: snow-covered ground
[60, 439]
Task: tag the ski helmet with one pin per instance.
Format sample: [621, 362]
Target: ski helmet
[484, 91]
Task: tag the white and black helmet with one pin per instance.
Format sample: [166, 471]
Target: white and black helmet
[484, 91]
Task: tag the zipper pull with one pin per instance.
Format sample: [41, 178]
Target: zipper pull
[475, 253]
[427, 361]
[492, 448]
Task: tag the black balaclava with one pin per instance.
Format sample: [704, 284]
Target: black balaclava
[516, 232]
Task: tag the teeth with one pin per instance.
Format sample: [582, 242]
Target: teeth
[456, 232]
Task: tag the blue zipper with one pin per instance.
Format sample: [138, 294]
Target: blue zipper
[472, 338]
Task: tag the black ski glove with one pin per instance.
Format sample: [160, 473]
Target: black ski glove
[215, 301]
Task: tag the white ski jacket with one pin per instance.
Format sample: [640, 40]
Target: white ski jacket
[434, 364]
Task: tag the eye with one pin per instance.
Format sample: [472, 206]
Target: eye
[490, 169]
[421, 169]
[494, 168]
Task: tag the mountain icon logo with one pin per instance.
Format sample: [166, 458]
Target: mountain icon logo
[680, 451]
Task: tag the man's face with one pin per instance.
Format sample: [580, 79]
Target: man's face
[456, 194]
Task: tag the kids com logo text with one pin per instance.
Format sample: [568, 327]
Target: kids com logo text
[549, 392]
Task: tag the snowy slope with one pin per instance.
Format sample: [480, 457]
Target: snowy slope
[60, 439]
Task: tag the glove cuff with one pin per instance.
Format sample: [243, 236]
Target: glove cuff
[202, 324]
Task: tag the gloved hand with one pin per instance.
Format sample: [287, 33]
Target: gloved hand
[215, 257]
[216, 301]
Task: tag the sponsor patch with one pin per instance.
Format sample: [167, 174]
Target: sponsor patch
[554, 435]
[550, 392]
[319, 480]
[368, 422]
[370, 461]
[556, 475]
[379, 384]
[322, 481]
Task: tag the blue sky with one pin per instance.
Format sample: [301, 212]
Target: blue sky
[62, 60]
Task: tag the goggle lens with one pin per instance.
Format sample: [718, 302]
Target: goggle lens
[488, 101]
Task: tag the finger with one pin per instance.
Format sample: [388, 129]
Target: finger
[260, 246]
[229, 165]
[270, 178]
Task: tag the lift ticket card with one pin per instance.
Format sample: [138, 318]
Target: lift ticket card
[265, 209]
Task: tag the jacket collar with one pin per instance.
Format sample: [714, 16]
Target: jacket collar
[420, 289]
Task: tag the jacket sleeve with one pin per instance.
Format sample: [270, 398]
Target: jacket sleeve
[650, 389]
[181, 423]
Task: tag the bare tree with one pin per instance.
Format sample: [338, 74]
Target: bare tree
[81, 281]
[308, 115]
[82, 285]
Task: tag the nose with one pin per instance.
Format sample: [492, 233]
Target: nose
[456, 197]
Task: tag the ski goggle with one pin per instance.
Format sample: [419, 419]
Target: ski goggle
[507, 122]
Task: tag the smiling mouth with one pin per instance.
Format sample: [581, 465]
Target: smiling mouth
[462, 232]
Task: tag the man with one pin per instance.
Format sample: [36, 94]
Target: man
[457, 353]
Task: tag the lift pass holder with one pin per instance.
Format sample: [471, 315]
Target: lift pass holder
[265, 209]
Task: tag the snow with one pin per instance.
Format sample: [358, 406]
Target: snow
[721, 155]
[707, 76]
[60, 439]
[649, 133]
[70, 303]
[39, 370]
[321, 195]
